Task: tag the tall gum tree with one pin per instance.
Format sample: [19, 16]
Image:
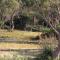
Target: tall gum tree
[49, 10]
[8, 9]
[51, 14]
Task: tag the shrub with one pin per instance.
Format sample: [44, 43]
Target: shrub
[46, 55]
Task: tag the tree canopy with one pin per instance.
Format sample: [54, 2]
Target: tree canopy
[7, 7]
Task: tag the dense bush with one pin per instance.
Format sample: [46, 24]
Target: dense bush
[46, 55]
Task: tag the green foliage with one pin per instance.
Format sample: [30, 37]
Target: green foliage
[43, 1]
[33, 2]
[46, 29]
[46, 55]
[1, 22]
[7, 7]
[58, 26]
[28, 2]
[29, 9]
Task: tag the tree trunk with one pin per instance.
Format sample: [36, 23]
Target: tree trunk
[12, 23]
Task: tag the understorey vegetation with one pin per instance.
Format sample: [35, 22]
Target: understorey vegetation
[40, 19]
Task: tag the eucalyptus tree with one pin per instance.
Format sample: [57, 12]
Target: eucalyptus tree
[8, 9]
[51, 14]
[49, 11]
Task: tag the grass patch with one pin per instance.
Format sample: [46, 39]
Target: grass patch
[18, 34]
[13, 56]
[4, 45]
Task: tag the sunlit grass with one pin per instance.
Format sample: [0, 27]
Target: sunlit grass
[18, 34]
[4, 45]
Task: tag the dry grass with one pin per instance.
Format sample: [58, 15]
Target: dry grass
[4, 45]
[18, 34]
[24, 35]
